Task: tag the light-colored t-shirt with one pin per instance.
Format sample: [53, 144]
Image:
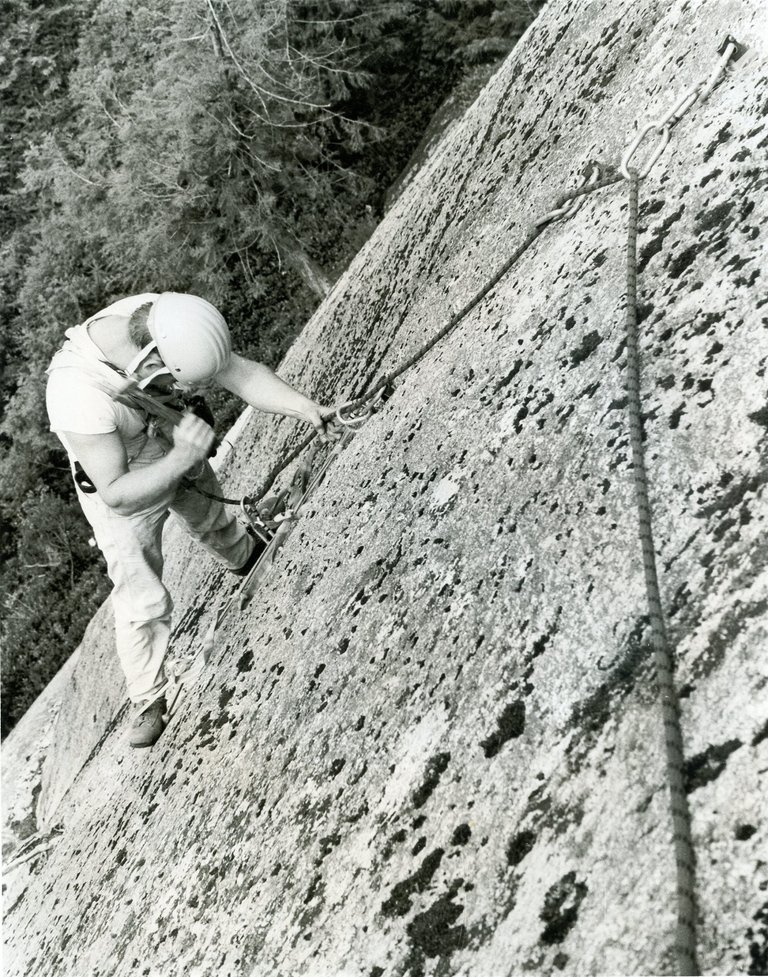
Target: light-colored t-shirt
[81, 386]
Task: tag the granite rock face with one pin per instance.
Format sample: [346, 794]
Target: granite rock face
[431, 745]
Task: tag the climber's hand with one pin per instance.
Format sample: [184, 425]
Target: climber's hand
[192, 440]
[322, 419]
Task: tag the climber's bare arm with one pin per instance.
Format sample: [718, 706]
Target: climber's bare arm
[105, 463]
[260, 387]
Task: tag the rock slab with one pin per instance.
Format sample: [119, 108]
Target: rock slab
[432, 744]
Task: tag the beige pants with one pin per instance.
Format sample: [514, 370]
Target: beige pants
[132, 548]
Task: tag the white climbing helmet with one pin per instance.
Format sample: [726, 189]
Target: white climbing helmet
[190, 335]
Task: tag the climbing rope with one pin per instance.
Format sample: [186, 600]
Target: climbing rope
[685, 936]
[685, 931]
[386, 382]
[34, 847]
[534, 233]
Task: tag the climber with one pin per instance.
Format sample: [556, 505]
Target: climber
[131, 470]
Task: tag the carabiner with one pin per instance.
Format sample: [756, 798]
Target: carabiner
[632, 149]
[354, 419]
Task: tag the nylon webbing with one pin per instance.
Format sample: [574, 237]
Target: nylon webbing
[685, 936]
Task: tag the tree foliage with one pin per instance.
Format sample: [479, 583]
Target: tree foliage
[237, 149]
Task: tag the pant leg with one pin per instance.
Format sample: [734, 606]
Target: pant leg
[211, 523]
[142, 606]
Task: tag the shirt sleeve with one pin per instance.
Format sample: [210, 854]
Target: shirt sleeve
[76, 406]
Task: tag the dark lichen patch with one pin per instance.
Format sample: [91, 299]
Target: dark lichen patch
[540, 644]
[760, 416]
[760, 735]
[397, 838]
[722, 136]
[432, 933]
[683, 260]
[588, 345]
[461, 834]
[519, 846]
[400, 901]
[313, 889]
[590, 716]
[729, 629]
[712, 175]
[435, 769]
[674, 417]
[655, 244]
[245, 662]
[168, 780]
[561, 908]
[758, 943]
[707, 766]
[743, 832]
[510, 725]
[735, 492]
[508, 377]
[327, 844]
[205, 729]
[420, 845]
[715, 349]
[716, 216]
[650, 207]
[190, 620]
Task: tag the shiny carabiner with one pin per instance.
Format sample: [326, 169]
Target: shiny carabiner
[355, 418]
[635, 145]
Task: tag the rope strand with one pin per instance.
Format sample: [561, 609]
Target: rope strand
[685, 936]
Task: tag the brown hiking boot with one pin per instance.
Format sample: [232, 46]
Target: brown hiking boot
[148, 724]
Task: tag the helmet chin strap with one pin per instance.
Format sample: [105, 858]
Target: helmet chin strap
[163, 371]
[139, 358]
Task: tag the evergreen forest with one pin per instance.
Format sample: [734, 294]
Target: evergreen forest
[242, 150]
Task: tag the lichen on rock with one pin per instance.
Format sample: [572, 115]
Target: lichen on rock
[457, 634]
